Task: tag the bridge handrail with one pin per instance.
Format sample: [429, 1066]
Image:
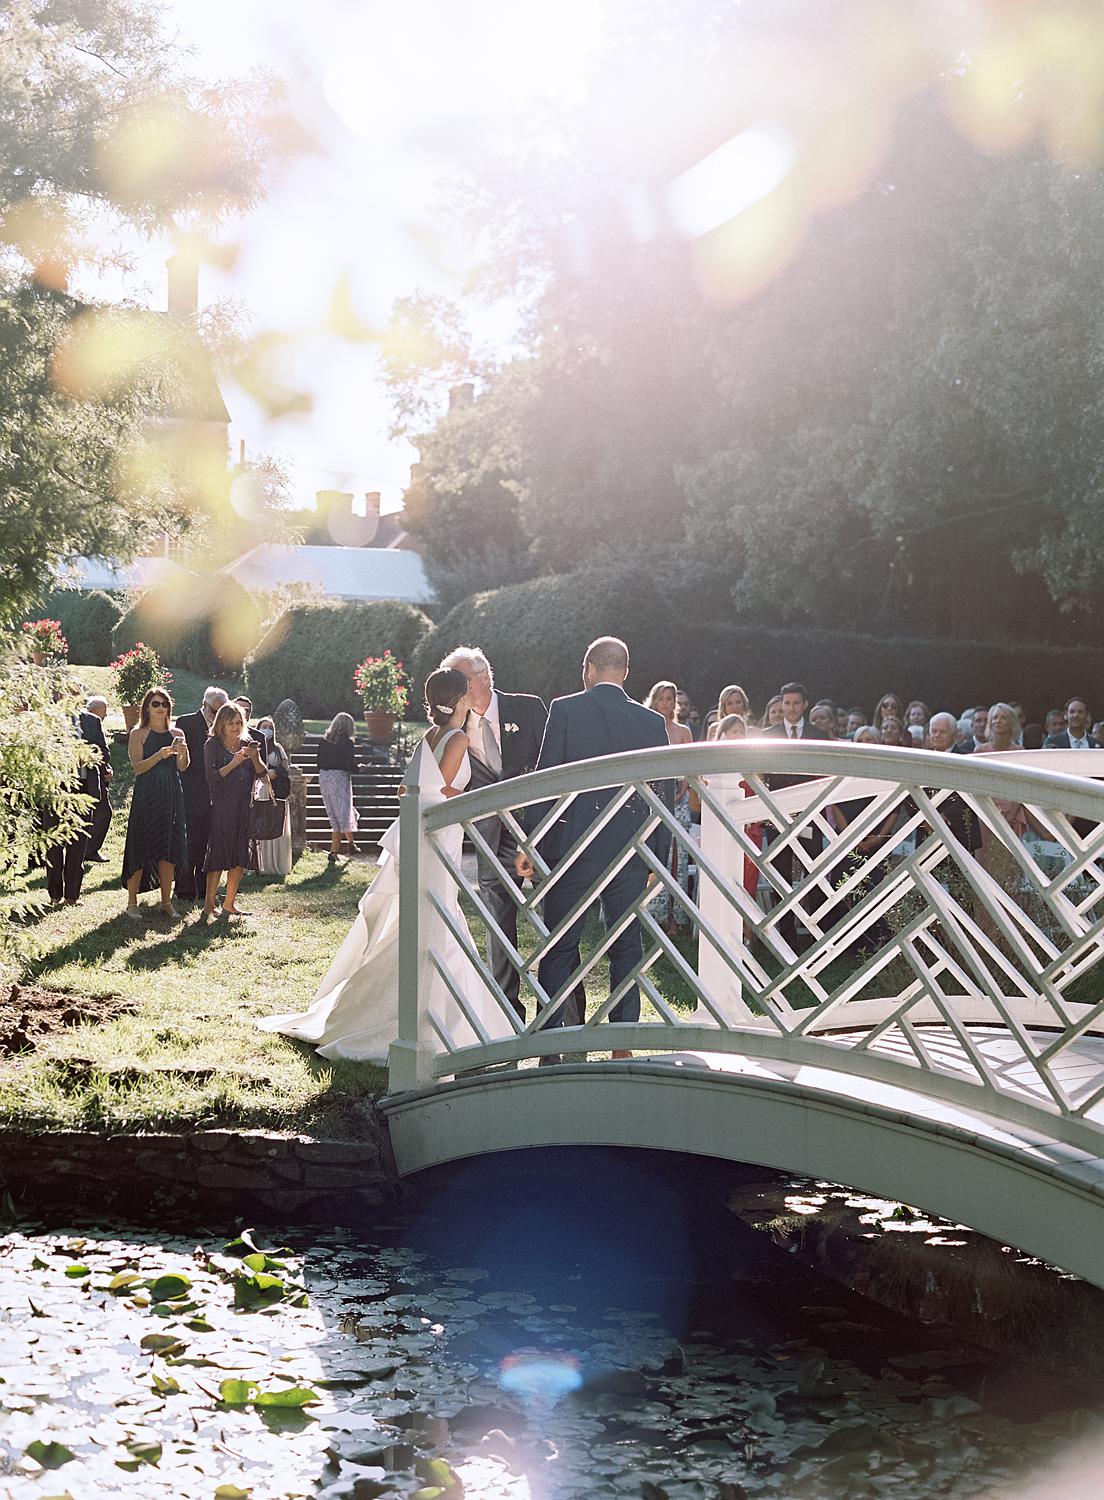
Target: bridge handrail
[1002, 774]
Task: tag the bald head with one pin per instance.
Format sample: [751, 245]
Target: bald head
[606, 660]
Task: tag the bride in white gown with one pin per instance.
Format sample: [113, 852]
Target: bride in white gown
[354, 1013]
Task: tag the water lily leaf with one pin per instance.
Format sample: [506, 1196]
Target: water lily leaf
[237, 1392]
[36, 1312]
[440, 1477]
[296, 1395]
[169, 1288]
[143, 1451]
[302, 1300]
[232, 1492]
[258, 1291]
[162, 1343]
[122, 1281]
[430, 1492]
[78, 1271]
[38, 1264]
[200, 1325]
[255, 1262]
[50, 1455]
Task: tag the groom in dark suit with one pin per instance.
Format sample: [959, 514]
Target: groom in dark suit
[601, 720]
[504, 739]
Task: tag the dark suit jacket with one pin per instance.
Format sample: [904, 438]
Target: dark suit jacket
[808, 731]
[1062, 741]
[603, 720]
[520, 747]
[197, 798]
[91, 731]
[964, 749]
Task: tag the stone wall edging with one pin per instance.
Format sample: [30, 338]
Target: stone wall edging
[284, 1174]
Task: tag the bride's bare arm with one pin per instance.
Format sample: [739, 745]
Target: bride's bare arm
[450, 761]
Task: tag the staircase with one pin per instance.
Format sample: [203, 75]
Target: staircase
[375, 793]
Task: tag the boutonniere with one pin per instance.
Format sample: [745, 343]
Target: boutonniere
[509, 729]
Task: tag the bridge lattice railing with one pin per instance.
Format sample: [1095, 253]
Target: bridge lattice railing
[932, 922]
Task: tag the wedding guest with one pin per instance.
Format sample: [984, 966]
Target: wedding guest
[662, 700]
[233, 763]
[686, 713]
[866, 734]
[1033, 737]
[96, 708]
[191, 880]
[772, 713]
[980, 725]
[823, 717]
[1076, 734]
[732, 700]
[856, 718]
[893, 731]
[337, 765]
[889, 704]
[998, 860]
[156, 836]
[1056, 721]
[246, 706]
[917, 713]
[274, 855]
[65, 861]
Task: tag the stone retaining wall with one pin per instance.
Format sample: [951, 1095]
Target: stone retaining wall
[243, 1172]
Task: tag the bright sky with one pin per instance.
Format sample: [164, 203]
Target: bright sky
[389, 90]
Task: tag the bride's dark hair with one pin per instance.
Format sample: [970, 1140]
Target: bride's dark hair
[443, 691]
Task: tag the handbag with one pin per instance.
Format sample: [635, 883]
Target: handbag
[266, 815]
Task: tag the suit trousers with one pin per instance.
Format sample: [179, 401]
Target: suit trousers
[65, 869]
[501, 905]
[562, 960]
[191, 881]
[101, 822]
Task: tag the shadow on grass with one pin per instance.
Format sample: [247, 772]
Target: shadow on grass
[327, 877]
[99, 942]
[182, 942]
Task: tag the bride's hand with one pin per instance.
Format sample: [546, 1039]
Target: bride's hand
[451, 791]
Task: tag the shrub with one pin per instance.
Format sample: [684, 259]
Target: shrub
[381, 683]
[87, 618]
[47, 641]
[535, 633]
[312, 651]
[136, 672]
[208, 625]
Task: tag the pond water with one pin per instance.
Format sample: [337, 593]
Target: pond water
[583, 1323]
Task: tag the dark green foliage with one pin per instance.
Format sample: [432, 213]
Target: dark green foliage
[535, 633]
[87, 618]
[310, 652]
[215, 638]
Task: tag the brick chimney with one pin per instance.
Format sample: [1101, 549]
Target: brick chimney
[183, 269]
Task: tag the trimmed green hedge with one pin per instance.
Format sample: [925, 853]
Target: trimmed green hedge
[310, 652]
[535, 633]
[208, 625]
[87, 618]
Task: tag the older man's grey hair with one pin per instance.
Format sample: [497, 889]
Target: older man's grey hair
[469, 660]
[95, 703]
[215, 697]
[945, 718]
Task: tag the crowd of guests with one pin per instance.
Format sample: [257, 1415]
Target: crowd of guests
[210, 800]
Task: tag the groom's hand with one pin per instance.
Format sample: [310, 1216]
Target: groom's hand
[523, 865]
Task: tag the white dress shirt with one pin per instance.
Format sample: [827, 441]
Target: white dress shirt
[793, 731]
[1078, 744]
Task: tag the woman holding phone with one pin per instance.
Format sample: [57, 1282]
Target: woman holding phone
[233, 763]
[156, 836]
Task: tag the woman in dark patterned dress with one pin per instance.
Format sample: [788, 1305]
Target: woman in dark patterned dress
[232, 767]
[156, 834]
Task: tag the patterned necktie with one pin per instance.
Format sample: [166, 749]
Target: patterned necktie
[793, 731]
[492, 756]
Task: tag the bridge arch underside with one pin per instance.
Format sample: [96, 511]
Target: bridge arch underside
[1002, 1188]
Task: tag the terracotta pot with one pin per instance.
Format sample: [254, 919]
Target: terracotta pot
[38, 658]
[379, 726]
[131, 714]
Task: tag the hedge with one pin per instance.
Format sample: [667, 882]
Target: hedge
[208, 625]
[87, 618]
[309, 653]
[535, 633]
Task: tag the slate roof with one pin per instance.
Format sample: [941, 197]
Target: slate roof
[353, 573]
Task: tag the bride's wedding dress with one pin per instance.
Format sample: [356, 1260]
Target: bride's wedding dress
[354, 1013]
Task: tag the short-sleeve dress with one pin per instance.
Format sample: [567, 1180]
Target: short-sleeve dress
[156, 828]
[229, 844]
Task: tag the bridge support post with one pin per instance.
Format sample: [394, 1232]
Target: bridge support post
[410, 1056]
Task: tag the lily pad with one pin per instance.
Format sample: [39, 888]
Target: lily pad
[170, 1288]
[50, 1455]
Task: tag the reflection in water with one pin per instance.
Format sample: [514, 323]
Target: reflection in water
[557, 1324]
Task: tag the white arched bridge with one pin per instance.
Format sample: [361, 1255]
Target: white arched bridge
[889, 974]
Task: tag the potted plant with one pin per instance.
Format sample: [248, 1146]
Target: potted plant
[381, 683]
[48, 646]
[137, 671]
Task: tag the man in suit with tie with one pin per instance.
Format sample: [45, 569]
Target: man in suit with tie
[91, 724]
[601, 720]
[191, 880]
[795, 725]
[504, 739]
[1076, 734]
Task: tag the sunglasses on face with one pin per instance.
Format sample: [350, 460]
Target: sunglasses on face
[158, 703]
